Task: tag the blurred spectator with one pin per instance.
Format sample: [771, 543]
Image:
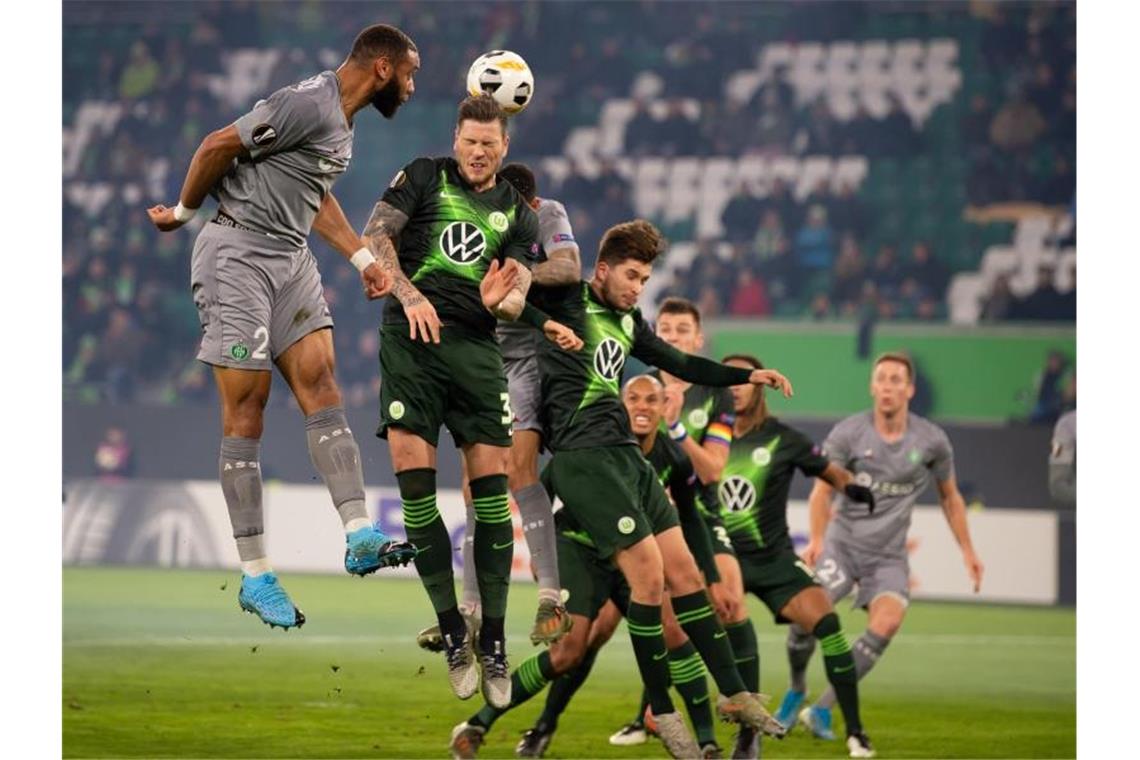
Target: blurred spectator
[815, 243]
[140, 76]
[781, 200]
[770, 241]
[976, 123]
[1059, 187]
[1000, 303]
[846, 212]
[1045, 303]
[741, 214]
[1017, 124]
[677, 134]
[847, 282]
[749, 299]
[114, 457]
[886, 272]
[641, 130]
[774, 126]
[925, 272]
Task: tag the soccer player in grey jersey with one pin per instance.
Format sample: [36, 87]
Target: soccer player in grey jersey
[1063, 460]
[896, 454]
[259, 296]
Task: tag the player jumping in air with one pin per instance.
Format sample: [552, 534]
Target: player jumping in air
[895, 454]
[259, 296]
[558, 263]
[453, 224]
[607, 486]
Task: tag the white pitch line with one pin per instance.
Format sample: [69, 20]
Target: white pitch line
[301, 639]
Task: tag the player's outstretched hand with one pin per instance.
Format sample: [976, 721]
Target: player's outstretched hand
[163, 218]
[377, 282]
[421, 318]
[773, 378]
[975, 569]
[563, 336]
[497, 282]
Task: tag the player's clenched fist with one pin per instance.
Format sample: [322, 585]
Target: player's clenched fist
[377, 283]
[163, 218]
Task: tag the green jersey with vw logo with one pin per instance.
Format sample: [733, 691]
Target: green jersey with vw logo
[753, 490]
[452, 235]
[582, 390]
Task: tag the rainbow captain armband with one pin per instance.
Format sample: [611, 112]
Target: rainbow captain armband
[719, 432]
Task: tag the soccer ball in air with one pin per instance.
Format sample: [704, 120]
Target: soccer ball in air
[504, 76]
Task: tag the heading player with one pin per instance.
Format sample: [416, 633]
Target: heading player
[896, 454]
[459, 233]
[259, 296]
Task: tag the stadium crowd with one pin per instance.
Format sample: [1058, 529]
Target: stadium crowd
[130, 327]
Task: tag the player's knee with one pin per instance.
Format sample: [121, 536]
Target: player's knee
[242, 415]
[521, 474]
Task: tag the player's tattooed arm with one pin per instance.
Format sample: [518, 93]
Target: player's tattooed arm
[383, 227]
[563, 266]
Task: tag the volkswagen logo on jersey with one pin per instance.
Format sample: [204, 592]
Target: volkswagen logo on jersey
[737, 494]
[609, 358]
[463, 243]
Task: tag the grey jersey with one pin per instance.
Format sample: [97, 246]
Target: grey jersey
[518, 340]
[299, 142]
[1063, 460]
[897, 473]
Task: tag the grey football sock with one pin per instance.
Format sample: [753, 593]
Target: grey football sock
[337, 458]
[470, 579]
[801, 644]
[867, 650]
[535, 511]
[250, 548]
[239, 469]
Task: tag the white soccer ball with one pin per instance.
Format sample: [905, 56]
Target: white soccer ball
[504, 76]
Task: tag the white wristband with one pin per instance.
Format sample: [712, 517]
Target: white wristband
[183, 214]
[677, 431]
[362, 259]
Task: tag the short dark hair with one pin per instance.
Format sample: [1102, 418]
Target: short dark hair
[381, 41]
[678, 305]
[521, 178]
[901, 358]
[483, 109]
[638, 240]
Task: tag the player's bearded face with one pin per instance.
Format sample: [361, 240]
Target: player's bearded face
[479, 149]
[388, 98]
[646, 404]
[622, 283]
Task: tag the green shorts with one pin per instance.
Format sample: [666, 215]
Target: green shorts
[721, 542]
[613, 495]
[458, 382]
[588, 581]
[776, 578]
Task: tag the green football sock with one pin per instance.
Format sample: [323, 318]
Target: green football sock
[562, 690]
[527, 680]
[426, 530]
[689, 679]
[698, 620]
[866, 650]
[745, 652]
[494, 550]
[647, 635]
[840, 668]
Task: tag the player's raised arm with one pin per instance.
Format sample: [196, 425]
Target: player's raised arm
[384, 226]
[696, 369]
[954, 507]
[213, 158]
[332, 225]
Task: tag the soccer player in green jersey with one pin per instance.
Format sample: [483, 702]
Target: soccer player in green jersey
[753, 495]
[644, 399]
[453, 225]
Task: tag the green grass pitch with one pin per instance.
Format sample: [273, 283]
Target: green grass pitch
[163, 664]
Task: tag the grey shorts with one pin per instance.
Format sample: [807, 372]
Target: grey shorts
[525, 387]
[840, 568]
[256, 296]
